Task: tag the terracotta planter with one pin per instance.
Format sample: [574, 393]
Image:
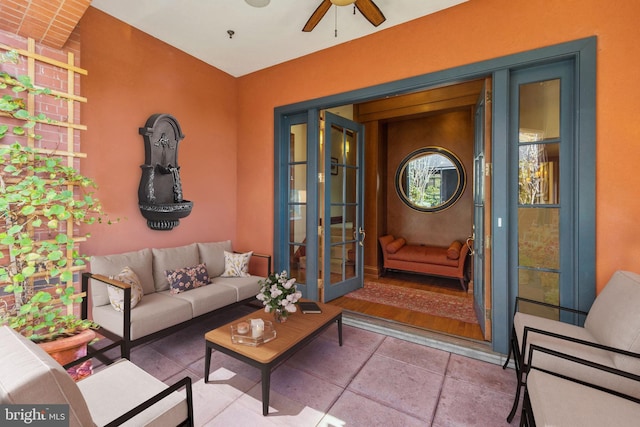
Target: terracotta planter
[68, 349]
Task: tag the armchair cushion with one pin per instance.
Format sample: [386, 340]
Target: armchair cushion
[610, 318]
[29, 375]
[122, 386]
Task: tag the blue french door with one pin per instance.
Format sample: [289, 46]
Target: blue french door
[342, 217]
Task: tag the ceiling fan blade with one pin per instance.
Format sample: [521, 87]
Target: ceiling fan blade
[317, 15]
[370, 11]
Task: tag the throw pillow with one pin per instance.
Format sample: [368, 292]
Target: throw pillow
[116, 295]
[453, 251]
[185, 279]
[236, 265]
[396, 245]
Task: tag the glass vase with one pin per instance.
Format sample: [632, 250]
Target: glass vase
[280, 316]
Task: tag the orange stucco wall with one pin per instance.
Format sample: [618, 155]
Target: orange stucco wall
[227, 156]
[132, 76]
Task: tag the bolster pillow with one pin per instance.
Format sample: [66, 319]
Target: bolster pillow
[453, 252]
[395, 246]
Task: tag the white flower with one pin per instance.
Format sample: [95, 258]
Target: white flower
[289, 283]
[291, 308]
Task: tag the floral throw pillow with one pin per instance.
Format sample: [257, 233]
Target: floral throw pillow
[116, 295]
[236, 265]
[185, 279]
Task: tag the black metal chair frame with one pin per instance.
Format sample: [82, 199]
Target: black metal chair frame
[522, 367]
[527, 417]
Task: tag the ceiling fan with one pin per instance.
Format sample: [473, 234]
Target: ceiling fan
[367, 7]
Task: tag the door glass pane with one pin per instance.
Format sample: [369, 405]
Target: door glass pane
[297, 203]
[539, 286]
[539, 238]
[539, 111]
[539, 174]
[539, 195]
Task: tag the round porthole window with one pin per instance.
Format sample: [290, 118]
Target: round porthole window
[430, 179]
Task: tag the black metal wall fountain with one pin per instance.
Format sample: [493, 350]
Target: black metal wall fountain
[160, 192]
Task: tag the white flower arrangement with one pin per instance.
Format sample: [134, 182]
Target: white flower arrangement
[278, 292]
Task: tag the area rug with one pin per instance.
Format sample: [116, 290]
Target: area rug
[433, 303]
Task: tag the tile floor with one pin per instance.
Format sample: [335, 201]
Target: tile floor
[372, 380]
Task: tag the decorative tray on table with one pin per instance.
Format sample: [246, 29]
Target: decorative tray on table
[244, 333]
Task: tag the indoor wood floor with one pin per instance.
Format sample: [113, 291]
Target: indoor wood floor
[414, 318]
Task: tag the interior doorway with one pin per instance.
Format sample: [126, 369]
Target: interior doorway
[451, 118]
[573, 64]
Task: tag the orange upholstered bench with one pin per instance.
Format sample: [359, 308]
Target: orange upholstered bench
[440, 261]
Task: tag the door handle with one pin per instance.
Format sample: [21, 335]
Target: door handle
[364, 236]
[469, 245]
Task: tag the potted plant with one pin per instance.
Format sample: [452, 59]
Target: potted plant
[40, 198]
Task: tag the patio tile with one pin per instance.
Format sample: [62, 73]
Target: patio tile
[482, 373]
[352, 409]
[405, 387]
[418, 355]
[324, 358]
[465, 403]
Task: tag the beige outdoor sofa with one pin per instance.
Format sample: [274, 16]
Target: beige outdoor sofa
[118, 394]
[608, 342]
[160, 312]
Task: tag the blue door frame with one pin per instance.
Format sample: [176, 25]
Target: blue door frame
[583, 53]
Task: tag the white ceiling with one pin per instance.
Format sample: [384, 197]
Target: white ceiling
[263, 36]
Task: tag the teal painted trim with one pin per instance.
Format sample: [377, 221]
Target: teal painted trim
[584, 52]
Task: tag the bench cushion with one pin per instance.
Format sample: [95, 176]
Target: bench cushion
[28, 375]
[424, 254]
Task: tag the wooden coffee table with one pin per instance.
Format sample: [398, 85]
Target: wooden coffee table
[291, 336]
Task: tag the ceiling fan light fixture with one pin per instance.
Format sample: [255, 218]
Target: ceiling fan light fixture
[258, 3]
[342, 2]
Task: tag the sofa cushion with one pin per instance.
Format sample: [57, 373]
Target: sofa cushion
[207, 298]
[236, 265]
[172, 259]
[154, 313]
[121, 386]
[245, 287]
[453, 251]
[395, 245]
[212, 254]
[187, 278]
[116, 295]
[28, 375]
[613, 318]
[110, 265]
